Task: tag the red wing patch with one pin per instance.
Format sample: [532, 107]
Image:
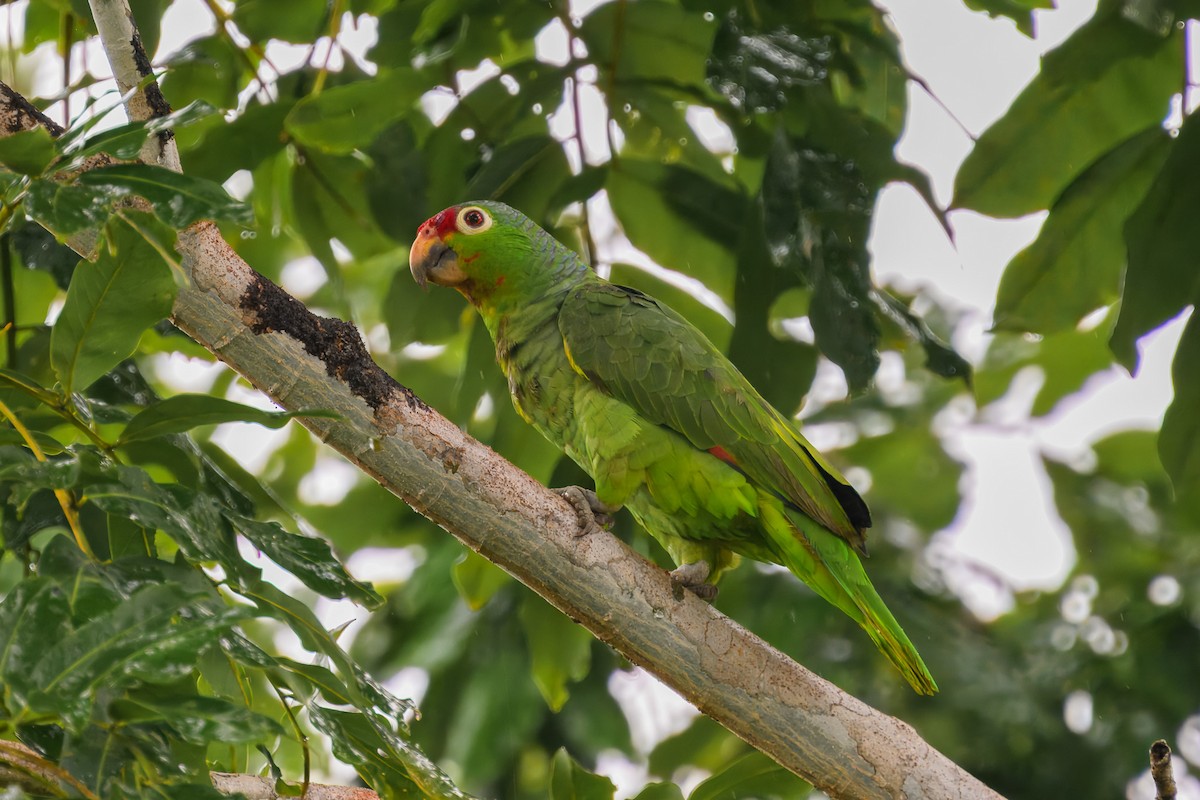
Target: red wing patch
[723, 454]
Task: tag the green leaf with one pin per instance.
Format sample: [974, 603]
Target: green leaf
[660, 791]
[649, 40]
[173, 654]
[296, 21]
[126, 538]
[524, 173]
[307, 678]
[1162, 276]
[815, 220]
[274, 603]
[1074, 266]
[309, 558]
[66, 208]
[570, 781]
[186, 411]
[253, 137]
[477, 579]
[37, 249]
[80, 660]
[207, 69]
[1179, 439]
[109, 304]
[1065, 360]
[560, 650]
[1019, 11]
[197, 719]
[28, 152]
[390, 764]
[125, 142]
[40, 512]
[349, 117]
[753, 775]
[658, 220]
[754, 69]
[32, 608]
[19, 464]
[193, 520]
[178, 199]
[1110, 80]
[940, 358]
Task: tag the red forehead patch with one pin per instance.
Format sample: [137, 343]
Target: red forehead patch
[442, 222]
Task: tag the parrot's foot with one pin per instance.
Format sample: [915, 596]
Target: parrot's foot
[594, 514]
[692, 577]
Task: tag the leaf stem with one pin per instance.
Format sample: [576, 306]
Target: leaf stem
[65, 499]
[10, 301]
[301, 736]
[224, 20]
[52, 402]
[335, 28]
[577, 134]
[66, 43]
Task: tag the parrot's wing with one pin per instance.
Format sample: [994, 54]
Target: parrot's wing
[646, 355]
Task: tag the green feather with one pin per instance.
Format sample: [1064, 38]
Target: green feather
[638, 397]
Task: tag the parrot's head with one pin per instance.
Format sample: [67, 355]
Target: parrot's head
[495, 255]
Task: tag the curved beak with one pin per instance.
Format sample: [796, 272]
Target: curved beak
[431, 260]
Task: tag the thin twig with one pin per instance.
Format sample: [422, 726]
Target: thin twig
[66, 499]
[335, 28]
[577, 133]
[10, 300]
[66, 34]
[1160, 770]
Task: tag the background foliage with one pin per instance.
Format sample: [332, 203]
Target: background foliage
[129, 533]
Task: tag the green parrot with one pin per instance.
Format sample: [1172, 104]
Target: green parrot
[662, 421]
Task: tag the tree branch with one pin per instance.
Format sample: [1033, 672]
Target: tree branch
[841, 745]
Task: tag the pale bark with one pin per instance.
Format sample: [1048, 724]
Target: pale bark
[841, 745]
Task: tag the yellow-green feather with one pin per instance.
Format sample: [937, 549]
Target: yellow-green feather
[637, 397]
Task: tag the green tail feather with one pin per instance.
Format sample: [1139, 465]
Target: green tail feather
[832, 569]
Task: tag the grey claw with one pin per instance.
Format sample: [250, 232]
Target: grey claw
[594, 515]
[692, 577]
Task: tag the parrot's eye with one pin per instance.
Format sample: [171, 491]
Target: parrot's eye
[474, 219]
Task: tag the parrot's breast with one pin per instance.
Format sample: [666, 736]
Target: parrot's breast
[685, 497]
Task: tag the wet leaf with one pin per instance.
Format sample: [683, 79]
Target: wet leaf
[65, 208]
[77, 662]
[177, 199]
[309, 558]
[33, 607]
[198, 719]
[186, 411]
[816, 214]
[109, 304]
